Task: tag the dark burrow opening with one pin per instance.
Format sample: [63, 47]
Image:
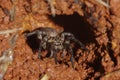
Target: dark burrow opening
[77, 25]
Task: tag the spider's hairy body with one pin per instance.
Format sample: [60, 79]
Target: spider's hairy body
[53, 41]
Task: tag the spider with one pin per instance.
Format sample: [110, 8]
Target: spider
[54, 41]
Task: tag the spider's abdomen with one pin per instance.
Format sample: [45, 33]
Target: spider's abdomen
[49, 31]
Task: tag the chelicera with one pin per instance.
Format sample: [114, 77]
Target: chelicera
[55, 42]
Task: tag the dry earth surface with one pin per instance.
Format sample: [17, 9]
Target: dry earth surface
[96, 23]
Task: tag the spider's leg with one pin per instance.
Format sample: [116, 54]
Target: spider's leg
[55, 57]
[70, 36]
[31, 33]
[69, 50]
[63, 52]
[72, 55]
[39, 34]
[39, 51]
[54, 52]
[80, 43]
[51, 55]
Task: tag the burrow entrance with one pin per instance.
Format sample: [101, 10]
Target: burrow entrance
[77, 25]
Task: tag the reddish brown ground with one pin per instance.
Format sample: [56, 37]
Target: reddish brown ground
[94, 24]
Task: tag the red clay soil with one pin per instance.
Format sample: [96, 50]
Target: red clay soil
[96, 23]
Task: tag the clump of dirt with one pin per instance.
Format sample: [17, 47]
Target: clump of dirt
[94, 22]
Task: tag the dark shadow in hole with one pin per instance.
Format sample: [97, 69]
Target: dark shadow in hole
[109, 47]
[77, 25]
[32, 41]
[111, 53]
[96, 65]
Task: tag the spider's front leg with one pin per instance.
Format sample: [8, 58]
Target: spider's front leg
[69, 50]
[72, 55]
[40, 50]
[54, 49]
[71, 37]
[42, 41]
[54, 54]
[31, 33]
[67, 38]
[42, 45]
